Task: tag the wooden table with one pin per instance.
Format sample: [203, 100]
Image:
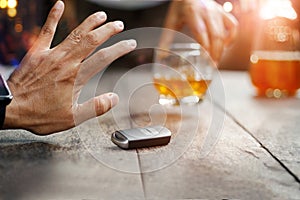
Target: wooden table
[235, 146]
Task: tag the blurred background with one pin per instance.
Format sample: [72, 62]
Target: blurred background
[21, 20]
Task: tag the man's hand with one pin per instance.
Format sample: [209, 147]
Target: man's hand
[47, 84]
[209, 24]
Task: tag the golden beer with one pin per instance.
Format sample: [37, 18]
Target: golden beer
[275, 73]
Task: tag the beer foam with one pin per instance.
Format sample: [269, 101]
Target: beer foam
[275, 55]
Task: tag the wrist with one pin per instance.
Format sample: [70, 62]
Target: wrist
[12, 118]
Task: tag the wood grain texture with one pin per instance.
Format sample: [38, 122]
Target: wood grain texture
[273, 122]
[237, 166]
[82, 163]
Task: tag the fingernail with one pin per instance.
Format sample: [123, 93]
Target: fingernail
[119, 24]
[132, 43]
[113, 98]
[101, 15]
[59, 4]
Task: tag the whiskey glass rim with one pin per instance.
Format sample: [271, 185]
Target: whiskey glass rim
[186, 46]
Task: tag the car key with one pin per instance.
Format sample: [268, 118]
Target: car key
[141, 137]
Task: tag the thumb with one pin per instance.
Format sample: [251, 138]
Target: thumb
[95, 107]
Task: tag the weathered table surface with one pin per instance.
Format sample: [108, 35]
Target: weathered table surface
[233, 147]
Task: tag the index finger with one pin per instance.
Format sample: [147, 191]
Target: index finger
[101, 59]
[231, 25]
[171, 22]
[198, 28]
[48, 30]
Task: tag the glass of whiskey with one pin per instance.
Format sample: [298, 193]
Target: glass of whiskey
[182, 73]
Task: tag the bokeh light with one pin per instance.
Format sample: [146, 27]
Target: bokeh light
[12, 3]
[3, 4]
[278, 8]
[11, 12]
[227, 6]
[18, 28]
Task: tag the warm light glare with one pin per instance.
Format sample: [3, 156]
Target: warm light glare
[278, 8]
[227, 6]
[3, 4]
[12, 3]
[18, 28]
[254, 58]
[11, 12]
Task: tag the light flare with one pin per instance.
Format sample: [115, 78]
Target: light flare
[3, 4]
[227, 6]
[12, 3]
[11, 12]
[278, 8]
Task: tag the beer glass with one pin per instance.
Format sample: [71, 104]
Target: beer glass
[275, 58]
[182, 73]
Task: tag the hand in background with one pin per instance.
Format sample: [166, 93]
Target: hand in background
[209, 24]
[47, 84]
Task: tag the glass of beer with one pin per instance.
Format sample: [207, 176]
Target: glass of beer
[275, 73]
[275, 59]
[182, 73]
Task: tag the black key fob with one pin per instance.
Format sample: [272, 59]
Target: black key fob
[141, 137]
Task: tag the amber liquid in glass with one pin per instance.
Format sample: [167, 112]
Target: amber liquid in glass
[275, 74]
[180, 88]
